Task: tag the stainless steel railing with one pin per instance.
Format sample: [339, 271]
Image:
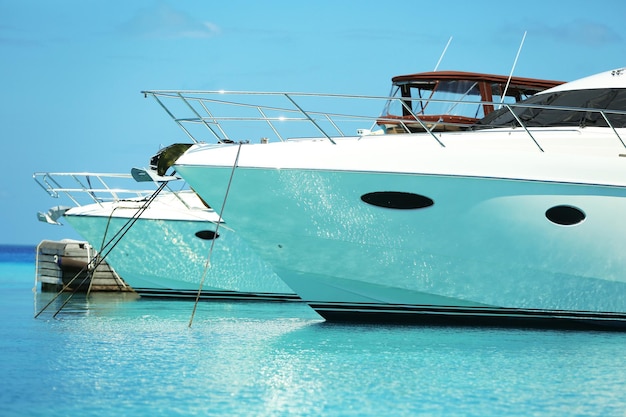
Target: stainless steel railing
[238, 116]
[83, 188]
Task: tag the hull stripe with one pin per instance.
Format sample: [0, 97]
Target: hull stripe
[215, 295]
[469, 316]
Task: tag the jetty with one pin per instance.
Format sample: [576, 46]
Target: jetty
[75, 266]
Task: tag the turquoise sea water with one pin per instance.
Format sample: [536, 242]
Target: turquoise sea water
[111, 355]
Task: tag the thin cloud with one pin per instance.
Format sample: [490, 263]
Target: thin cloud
[14, 36]
[163, 22]
[583, 32]
[19, 42]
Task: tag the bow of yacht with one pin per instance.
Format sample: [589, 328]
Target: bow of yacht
[517, 219]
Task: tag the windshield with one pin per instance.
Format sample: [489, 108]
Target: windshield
[451, 97]
[449, 92]
[612, 101]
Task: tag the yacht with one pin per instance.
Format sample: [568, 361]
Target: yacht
[163, 243]
[517, 221]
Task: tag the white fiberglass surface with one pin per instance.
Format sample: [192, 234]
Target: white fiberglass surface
[590, 155]
[484, 241]
[169, 206]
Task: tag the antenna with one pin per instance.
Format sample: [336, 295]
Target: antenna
[508, 81]
[443, 53]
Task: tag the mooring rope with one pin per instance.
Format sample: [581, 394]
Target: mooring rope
[103, 245]
[63, 289]
[219, 221]
[100, 259]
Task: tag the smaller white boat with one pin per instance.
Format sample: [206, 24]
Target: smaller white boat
[169, 244]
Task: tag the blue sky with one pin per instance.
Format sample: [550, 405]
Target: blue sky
[72, 70]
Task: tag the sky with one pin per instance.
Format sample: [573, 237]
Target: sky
[72, 70]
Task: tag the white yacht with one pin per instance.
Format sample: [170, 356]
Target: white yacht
[165, 244]
[516, 221]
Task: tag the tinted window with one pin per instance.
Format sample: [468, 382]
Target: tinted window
[397, 200]
[207, 235]
[565, 215]
[601, 99]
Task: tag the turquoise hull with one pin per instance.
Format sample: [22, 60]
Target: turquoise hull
[166, 258]
[485, 244]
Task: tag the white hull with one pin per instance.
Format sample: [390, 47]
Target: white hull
[162, 253]
[484, 251]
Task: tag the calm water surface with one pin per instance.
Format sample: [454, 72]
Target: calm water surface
[119, 356]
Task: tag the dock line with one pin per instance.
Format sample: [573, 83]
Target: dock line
[125, 228]
[219, 221]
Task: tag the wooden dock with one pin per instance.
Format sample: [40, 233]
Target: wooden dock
[70, 263]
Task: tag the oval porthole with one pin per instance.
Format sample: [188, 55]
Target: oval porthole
[207, 234]
[565, 215]
[397, 200]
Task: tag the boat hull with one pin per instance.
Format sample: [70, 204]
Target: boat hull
[485, 251]
[160, 257]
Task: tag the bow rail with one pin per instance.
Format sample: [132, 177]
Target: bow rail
[246, 116]
[83, 188]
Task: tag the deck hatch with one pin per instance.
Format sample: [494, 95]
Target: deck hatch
[397, 200]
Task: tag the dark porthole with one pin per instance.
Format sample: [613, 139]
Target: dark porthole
[565, 215]
[207, 234]
[397, 200]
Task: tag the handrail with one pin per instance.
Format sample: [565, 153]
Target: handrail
[602, 112]
[78, 187]
[608, 122]
[523, 126]
[215, 123]
[227, 115]
[311, 119]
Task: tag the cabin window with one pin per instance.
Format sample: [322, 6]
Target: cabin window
[551, 110]
[397, 200]
[207, 234]
[448, 95]
[565, 215]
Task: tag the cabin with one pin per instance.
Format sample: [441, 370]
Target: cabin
[452, 100]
